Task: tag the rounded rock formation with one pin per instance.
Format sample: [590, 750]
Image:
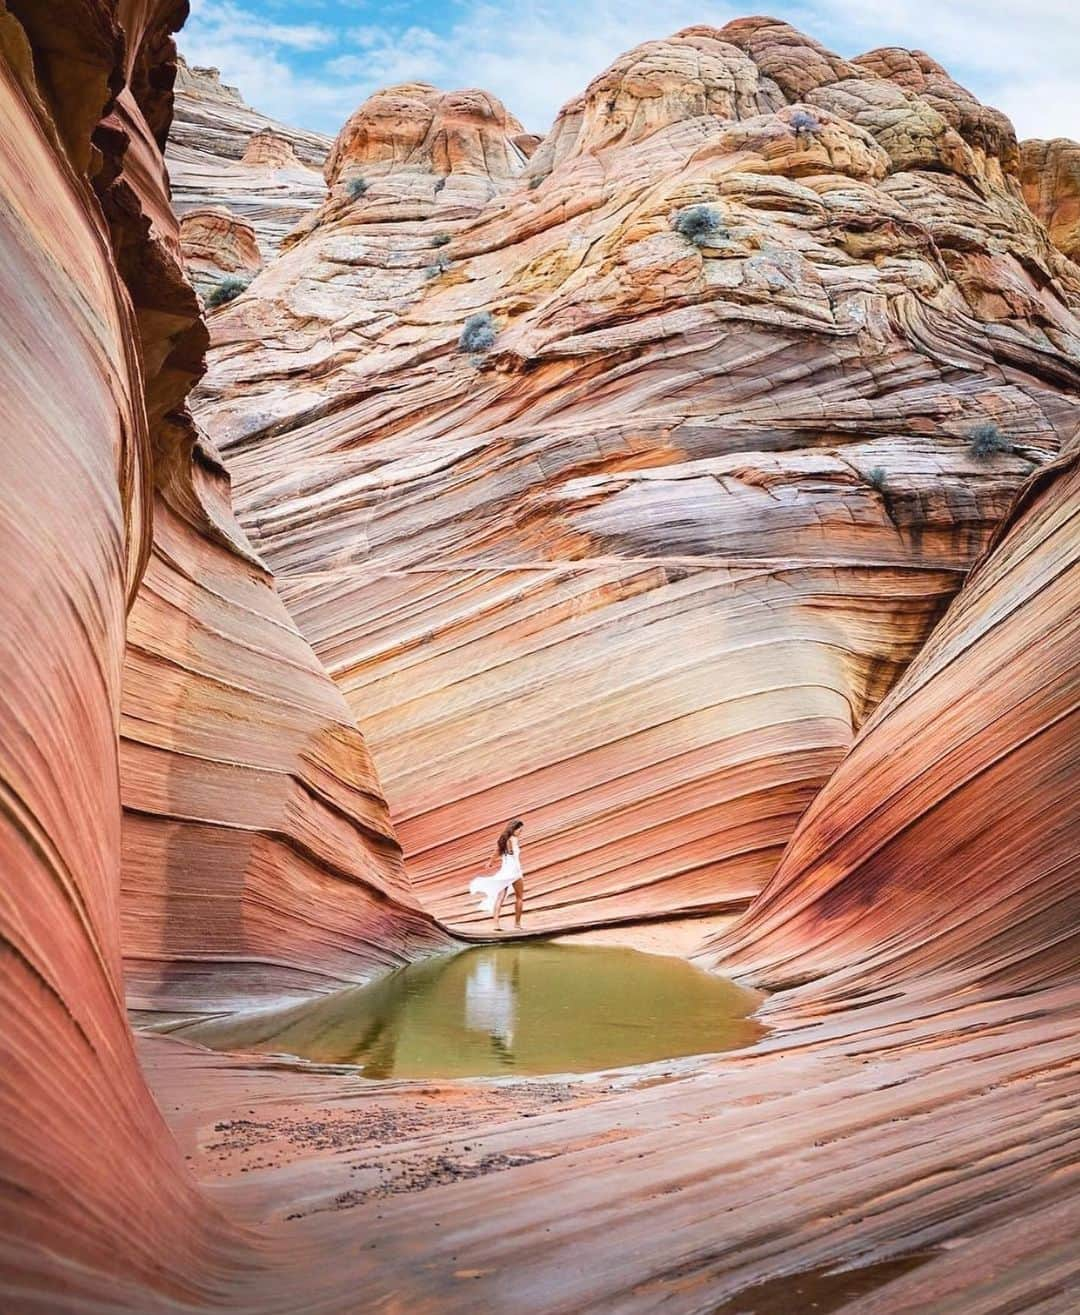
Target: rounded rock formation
[640, 569]
[217, 243]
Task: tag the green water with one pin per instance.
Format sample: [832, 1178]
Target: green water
[508, 1009]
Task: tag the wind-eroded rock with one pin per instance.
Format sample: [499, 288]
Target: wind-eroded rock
[223, 154]
[637, 555]
[216, 244]
[946, 844]
[1050, 175]
[95, 1201]
[256, 842]
[248, 791]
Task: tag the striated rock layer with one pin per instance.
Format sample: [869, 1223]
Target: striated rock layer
[222, 154]
[259, 860]
[636, 557]
[256, 852]
[947, 843]
[217, 245]
[903, 1140]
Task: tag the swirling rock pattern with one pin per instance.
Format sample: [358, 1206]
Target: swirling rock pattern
[904, 1140]
[948, 841]
[95, 1200]
[248, 791]
[639, 568]
[106, 500]
[222, 154]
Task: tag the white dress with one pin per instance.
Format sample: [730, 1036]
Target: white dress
[491, 887]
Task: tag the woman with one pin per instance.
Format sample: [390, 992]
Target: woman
[493, 889]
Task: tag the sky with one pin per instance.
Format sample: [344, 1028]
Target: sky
[310, 63]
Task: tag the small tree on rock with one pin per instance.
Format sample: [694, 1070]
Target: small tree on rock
[700, 224]
[227, 290]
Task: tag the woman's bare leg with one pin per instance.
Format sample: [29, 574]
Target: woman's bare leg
[496, 912]
[519, 901]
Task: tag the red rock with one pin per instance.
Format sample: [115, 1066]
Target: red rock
[96, 1202]
[216, 244]
[1050, 175]
[945, 845]
[640, 572]
[100, 479]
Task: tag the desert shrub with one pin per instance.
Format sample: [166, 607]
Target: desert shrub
[535, 181]
[478, 333]
[875, 477]
[440, 240]
[356, 187]
[987, 440]
[440, 266]
[228, 289]
[440, 183]
[700, 224]
[803, 121]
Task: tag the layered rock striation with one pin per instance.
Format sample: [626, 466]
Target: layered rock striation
[943, 851]
[255, 840]
[223, 155]
[259, 863]
[96, 1204]
[617, 486]
[218, 245]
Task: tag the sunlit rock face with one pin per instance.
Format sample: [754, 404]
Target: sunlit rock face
[637, 557]
[944, 850]
[223, 154]
[1050, 175]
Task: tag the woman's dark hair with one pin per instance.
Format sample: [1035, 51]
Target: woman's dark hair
[508, 832]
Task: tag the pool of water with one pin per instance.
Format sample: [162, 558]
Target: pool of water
[507, 1009]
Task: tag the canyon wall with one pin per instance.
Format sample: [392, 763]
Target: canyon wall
[95, 1199]
[248, 791]
[1050, 174]
[259, 863]
[256, 852]
[616, 478]
[943, 852]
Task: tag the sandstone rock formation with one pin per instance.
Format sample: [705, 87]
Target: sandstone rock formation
[215, 245]
[767, 341]
[944, 849]
[248, 791]
[108, 499]
[904, 1139]
[1050, 175]
[95, 1197]
[223, 154]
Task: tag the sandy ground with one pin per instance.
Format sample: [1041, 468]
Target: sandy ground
[677, 936]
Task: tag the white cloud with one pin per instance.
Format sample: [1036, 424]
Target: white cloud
[1020, 55]
[258, 57]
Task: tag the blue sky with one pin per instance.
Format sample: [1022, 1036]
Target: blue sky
[311, 62]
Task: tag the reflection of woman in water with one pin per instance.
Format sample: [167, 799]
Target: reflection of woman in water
[492, 889]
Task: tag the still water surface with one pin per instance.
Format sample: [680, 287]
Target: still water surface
[509, 1009]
